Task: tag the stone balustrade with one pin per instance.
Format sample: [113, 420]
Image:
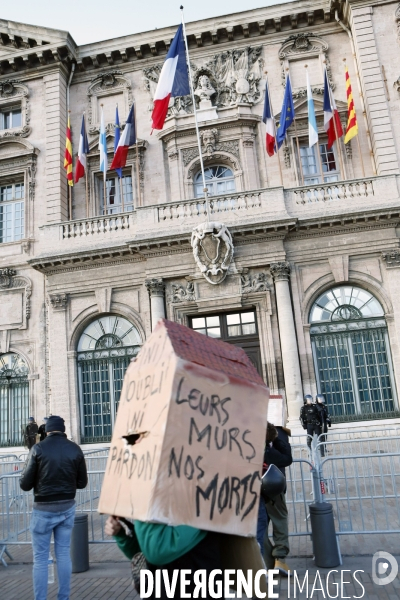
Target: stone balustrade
[94, 227]
[338, 190]
[269, 205]
[193, 209]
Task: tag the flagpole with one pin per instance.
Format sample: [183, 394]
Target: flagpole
[104, 180]
[86, 179]
[317, 148]
[357, 136]
[70, 186]
[121, 190]
[335, 128]
[273, 121]
[298, 146]
[205, 189]
[139, 199]
[87, 194]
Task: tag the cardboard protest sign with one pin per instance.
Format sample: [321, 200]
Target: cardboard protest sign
[188, 442]
[277, 411]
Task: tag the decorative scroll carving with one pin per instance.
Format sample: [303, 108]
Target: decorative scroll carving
[254, 283]
[9, 280]
[286, 156]
[280, 271]
[302, 43]
[101, 85]
[58, 301]
[305, 45]
[397, 20]
[183, 294]
[212, 250]
[12, 89]
[231, 147]
[302, 92]
[155, 286]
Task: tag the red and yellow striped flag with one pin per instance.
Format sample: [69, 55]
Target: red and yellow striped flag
[352, 125]
[68, 155]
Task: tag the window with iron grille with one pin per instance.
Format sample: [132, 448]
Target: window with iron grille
[351, 353]
[12, 212]
[105, 350]
[14, 399]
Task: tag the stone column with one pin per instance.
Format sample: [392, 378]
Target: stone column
[290, 356]
[156, 288]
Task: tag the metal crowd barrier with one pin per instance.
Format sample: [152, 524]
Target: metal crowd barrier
[360, 477]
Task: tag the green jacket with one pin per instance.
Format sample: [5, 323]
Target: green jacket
[161, 544]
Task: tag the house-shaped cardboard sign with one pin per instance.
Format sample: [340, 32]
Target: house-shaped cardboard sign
[188, 442]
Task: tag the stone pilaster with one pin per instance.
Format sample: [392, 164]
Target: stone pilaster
[290, 356]
[156, 289]
[373, 88]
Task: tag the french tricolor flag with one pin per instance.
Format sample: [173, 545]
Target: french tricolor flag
[173, 81]
[269, 124]
[127, 139]
[330, 111]
[82, 152]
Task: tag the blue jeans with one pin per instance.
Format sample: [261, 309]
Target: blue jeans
[43, 524]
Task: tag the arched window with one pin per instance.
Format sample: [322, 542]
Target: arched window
[105, 350]
[14, 399]
[219, 180]
[351, 353]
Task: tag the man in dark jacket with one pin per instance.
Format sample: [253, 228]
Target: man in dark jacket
[55, 469]
[279, 453]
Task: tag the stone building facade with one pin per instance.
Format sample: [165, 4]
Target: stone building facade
[305, 276]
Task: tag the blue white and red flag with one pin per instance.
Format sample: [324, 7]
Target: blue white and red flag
[269, 124]
[83, 151]
[127, 139]
[331, 112]
[173, 81]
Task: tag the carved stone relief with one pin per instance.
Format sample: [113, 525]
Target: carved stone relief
[212, 250]
[257, 282]
[229, 78]
[230, 146]
[103, 85]
[181, 293]
[12, 316]
[10, 90]
[392, 258]
[58, 301]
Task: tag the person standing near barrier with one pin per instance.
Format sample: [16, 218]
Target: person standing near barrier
[279, 453]
[31, 431]
[325, 421]
[55, 469]
[42, 429]
[310, 419]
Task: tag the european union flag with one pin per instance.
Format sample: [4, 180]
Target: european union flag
[287, 113]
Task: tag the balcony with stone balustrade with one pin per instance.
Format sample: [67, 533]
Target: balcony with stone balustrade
[270, 207]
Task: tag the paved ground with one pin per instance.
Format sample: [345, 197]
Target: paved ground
[110, 579]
